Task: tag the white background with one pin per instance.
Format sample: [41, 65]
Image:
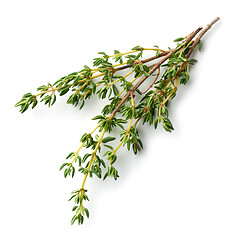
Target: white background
[181, 186]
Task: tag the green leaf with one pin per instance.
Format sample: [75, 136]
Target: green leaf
[146, 68]
[167, 125]
[74, 218]
[87, 155]
[70, 155]
[73, 171]
[105, 176]
[192, 61]
[108, 146]
[200, 45]
[54, 99]
[72, 197]
[102, 53]
[63, 165]
[80, 219]
[93, 87]
[82, 105]
[86, 211]
[34, 103]
[178, 39]
[108, 139]
[24, 107]
[113, 159]
[27, 95]
[115, 90]
[137, 48]
[98, 117]
[74, 208]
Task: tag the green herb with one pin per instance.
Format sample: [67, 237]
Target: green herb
[128, 105]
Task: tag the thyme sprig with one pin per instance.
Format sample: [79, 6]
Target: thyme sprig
[127, 107]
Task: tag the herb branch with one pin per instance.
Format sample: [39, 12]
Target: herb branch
[127, 107]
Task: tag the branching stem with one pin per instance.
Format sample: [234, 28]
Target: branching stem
[129, 125]
[93, 155]
[156, 66]
[75, 155]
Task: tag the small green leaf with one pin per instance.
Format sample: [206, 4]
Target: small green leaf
[74, 208]
[73, 171]
[115, 90]
[178, 39]
[200, 45]
[108, 139]
[113, 159]
[87, 155]
[105, 176]
[72, 197]
[98, 117]
[156, 123]
[82, 105]
[137, 48]
[63, 165]
[86, 211]
[54, 99]
[108, 146]
[34, 103]
[74, 218]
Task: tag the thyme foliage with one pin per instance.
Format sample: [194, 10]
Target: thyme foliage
[128, 106]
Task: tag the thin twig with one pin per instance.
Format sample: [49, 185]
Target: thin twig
[200, 35]
[152, 82]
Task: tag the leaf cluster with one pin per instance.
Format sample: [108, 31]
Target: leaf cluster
[80, 211]
[105, 82]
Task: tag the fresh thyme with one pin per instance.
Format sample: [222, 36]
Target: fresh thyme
[127, 104]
